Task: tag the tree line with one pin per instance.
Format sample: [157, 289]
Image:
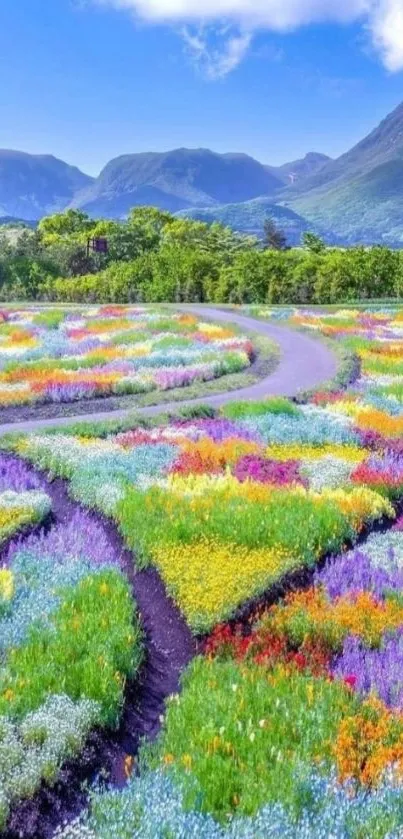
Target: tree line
[154, 256]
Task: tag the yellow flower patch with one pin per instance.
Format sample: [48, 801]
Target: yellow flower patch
[203, 485]
[6, 584]
[297, 451]
[12, 518]
[210, 579]
[360, 505]
[347, 407]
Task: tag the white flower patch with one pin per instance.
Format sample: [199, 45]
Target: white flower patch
[16, 352]
[16, 387]
[318, 413]
[34, 500]
[329, 472]
[384, 549]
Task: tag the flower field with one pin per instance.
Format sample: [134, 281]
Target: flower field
[69, 638]
[277, 530]
[248, 499]
[51, 355]
[22, 500]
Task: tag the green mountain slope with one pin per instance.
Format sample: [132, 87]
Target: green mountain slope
[176, 180]
[368, 209]
[249, 217]
[33, 185]
[383, 144]
[359, 195]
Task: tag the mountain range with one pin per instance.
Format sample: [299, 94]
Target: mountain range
[355, 198]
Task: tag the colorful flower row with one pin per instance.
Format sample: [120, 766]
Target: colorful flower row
[62, 356]
[292, 726]
[69, 639]
[22, 499]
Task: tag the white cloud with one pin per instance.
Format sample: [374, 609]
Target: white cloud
[273, 14]
[216, 52]
[382, 18]
[386, 25]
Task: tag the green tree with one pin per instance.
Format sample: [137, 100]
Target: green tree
[181, 275]
[304, 276]
[149, 223]
[279, 266]
[244, 280]
[273, 238]
[313, 243]
[214, 238]
[71, 222]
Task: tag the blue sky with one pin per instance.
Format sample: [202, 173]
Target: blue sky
[87, 81]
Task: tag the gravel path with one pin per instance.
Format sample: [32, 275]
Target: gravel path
[304, 363]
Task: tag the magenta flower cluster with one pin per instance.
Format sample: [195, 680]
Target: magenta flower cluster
[266, 471]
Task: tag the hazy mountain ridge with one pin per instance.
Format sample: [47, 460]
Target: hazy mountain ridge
[33, 185]
[299, 170]
[355, 198]
[177, 180]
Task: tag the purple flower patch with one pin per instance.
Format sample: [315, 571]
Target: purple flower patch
[353, 573]
[265, 471]
[378, 671]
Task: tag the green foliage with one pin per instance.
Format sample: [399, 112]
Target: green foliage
[91, 645]
[244, 280]
[313, 243]
[197, 412]
[50, 319]
[273, 405]
[155, 257]
[65, 224]
[248, 217]
[237, 739]
[149, 519]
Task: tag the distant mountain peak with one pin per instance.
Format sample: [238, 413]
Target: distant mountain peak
[355, 198]
[32, 185]
[299, 170]
[176, 180]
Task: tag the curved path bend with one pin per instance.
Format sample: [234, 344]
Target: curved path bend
[304, 363]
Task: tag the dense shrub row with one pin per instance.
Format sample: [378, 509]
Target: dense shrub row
[180, 274]
[154, 257]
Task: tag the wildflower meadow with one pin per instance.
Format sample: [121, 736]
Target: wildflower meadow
[276, 529]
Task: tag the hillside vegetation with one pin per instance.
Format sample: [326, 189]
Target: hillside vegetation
[358, 196]
[249, 217]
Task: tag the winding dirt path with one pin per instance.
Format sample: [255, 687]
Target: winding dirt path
[304, 363]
